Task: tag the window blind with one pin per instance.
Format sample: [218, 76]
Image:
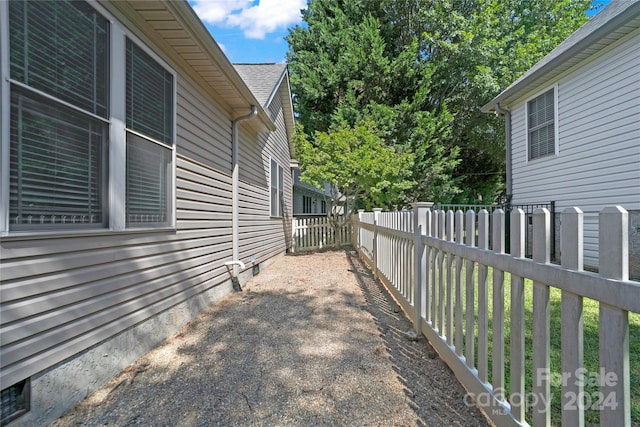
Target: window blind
[61, 48]
[149, 96]
[147, 181]
[57, 154]
[56, 167]
[541, 117]
[149, 117]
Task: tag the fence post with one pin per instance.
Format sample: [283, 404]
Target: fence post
[376, 218]
[419, 227]
[541, 321]
[517, 368]
[571, 333]
[613, 254]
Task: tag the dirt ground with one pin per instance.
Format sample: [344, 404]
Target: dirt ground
[311, 340]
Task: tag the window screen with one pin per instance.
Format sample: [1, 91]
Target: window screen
[541, 126]
[150, 124]
[61, 48]
[149, 96]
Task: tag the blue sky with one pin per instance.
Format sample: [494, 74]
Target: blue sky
[253, 31]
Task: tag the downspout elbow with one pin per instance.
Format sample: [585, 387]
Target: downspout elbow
[507, 130]
[253, 113]
[238, 263]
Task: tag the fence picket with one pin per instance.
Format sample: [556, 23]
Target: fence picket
[470, 240]
[614, 322]
[413, 254]
[541, 322]
[426, 296]
[497, 349]
[572, 323]
[434, 274]
[450, 280]
[517, 367]
[459, 226]
[441, 274]
[483, 299]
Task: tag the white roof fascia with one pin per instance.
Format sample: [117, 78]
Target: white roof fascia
[611, 18]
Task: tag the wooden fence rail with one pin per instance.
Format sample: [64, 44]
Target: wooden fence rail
[437, 264]
[317, 233]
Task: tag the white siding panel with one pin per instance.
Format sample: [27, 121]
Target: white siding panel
[598, 163]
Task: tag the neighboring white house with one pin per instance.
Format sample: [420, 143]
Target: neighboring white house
[139, 173]
[309, 200]
[573, 125]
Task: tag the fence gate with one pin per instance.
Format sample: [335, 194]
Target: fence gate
[312, 233]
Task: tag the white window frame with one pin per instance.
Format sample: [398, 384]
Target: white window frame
[116, 174]
[556, 126]
[5, 118]
[279, 187]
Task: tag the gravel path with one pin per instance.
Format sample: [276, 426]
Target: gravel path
[311, 340]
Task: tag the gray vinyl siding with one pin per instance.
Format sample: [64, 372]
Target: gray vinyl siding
[598, 162]
[63, 294]
[204, 130]
[260, 235]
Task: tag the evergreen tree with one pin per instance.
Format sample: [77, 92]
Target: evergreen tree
[420, 70]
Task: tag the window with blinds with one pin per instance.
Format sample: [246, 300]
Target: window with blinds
[149, 118]
[59, 60]
[541, 125]
[60, 114]
[277, 188]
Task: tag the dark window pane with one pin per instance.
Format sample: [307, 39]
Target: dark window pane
[540, 122]
[57, 165]
[148, 166]
[149, 96]
[62, 49]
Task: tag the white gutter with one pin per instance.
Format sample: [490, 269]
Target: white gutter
[507, 133]
[235, 183]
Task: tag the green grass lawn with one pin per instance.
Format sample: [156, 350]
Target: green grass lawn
[590, 318]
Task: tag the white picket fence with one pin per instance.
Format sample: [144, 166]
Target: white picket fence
[436, 266]
[310, 234]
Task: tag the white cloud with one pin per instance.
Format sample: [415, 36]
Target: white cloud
[254, 18]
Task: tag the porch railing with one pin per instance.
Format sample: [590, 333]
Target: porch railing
[438, 270]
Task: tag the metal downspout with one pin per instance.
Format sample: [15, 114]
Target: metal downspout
[507, 131]
[235, 217]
